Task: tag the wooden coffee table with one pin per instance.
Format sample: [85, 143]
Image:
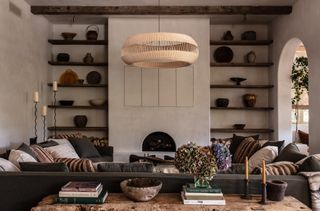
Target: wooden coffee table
[172, 202]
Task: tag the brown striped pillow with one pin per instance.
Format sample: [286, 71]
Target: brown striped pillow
[280, 168]
[77, 165]
[42, 155]
[247, 148]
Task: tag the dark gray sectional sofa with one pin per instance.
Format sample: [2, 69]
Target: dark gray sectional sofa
[19, 191]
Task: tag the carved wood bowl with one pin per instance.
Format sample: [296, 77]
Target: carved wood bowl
[141, 189]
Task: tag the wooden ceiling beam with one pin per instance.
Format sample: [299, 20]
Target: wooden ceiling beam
[162, 10]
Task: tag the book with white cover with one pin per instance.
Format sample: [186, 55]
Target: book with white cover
[80, 194]
[221, 201]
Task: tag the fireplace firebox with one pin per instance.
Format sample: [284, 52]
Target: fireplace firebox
[159, 142]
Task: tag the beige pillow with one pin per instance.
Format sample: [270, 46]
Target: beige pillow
[268, 154]
[6, 165]
[17, 156]
[62, 151]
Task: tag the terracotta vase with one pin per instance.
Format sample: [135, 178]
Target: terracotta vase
[249, 100]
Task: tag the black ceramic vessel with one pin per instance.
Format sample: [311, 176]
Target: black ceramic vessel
[276, 190]
[222, 102]
[63, 57]
[223, 54]
[80, 121]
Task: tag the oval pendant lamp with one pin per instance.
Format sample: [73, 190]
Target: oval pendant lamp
[160, 50]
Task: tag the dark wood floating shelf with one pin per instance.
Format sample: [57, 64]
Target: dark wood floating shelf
[78, 128]
[232, 130]
[80, 107]
[244, 108]
[81, 85]
[262, 64]
[78, 42]
[222, 86]
[77, 63]
[241, 42]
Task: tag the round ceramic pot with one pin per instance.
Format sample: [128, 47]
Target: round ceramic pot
[251, 57]
[249, 100]
[92, 32]
[222, 102]
[63, 57]
[80, 121]
[88, 59]
[276, 190]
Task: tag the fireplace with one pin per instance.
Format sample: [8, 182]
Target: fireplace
[159, 142]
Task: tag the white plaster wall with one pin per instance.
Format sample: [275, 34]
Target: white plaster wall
[129, 125]
[301, 24]
[254, 76]
[79, 95]
[23, 70]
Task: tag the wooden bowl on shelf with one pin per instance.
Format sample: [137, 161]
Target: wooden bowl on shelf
[68, 35]
[239, 126]
[97, 102]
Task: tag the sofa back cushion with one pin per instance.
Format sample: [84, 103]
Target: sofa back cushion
[77, 165]
[311, 164]
[42, 155]
[84, 148]
[268, 154]
[246, 149]
[236, 141]
[62, 151]
[6, 165]
[17, 156]
[290, 153]
[27, 149]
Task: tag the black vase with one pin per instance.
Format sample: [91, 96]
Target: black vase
[222, 102]
[80, 121]
[63, 57]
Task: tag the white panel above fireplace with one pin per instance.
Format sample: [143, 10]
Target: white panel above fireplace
[188, 119]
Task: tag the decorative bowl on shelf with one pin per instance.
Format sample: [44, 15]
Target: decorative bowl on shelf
[68, 77]
[222, 102]
[97, 102]
[239, 126]
[66, 102]
[94, 77]
[238, 80]
[68, 35]
[141, 189]
[63, 57]
[223, 54]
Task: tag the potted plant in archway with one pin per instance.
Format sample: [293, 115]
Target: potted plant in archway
[300, 83]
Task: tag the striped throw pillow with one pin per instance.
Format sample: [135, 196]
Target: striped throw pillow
[280, 168]
[42, 155]
[247, 148]
[77, 165]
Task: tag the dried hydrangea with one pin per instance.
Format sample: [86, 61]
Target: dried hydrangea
[196, 160]
[222, 155]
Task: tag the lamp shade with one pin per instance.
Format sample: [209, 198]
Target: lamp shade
[160, 50]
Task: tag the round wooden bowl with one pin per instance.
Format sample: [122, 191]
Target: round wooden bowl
[141, 189]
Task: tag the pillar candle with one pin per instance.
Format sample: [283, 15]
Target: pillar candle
[247, 168]
[264, 172]
[36, 97]
[44, 111]
[55, 86]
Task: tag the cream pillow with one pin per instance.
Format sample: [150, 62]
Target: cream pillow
[62, 151]
[6, 165]
[268, 154]
[61, 141]
[17, 156]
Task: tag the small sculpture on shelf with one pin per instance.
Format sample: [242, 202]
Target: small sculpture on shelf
[88, 59]
[227, 36]
[249, 100]
[238, 80]
[250, 57]
[249, 35]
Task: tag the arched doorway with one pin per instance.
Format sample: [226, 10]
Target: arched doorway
[284, 89]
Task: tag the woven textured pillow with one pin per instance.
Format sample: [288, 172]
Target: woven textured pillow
[43, 155]
[77, 165]
[247, 148]
[280, 168]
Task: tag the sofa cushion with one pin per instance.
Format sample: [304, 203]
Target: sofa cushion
[303, 137]
[44, 167]
[310, 164]
[6, 165]
[290, 153]
[236, 141]
[77, 165]
[246, 149]
[268, 154]
[27, 149]
[280, 168]
[17, 156]
[278, 144]
[42, 154]
[84, 148]
[62, 151]
[125, 167]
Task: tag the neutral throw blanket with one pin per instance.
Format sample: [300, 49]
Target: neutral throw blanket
[314, 185]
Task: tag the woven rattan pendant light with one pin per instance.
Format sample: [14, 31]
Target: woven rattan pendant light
[160, 50]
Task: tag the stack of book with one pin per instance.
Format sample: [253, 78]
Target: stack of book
[82, 193]
[204, 196]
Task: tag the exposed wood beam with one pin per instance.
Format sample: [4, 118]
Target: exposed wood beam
[162, 10]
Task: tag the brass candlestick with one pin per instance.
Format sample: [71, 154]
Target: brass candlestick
[246, 190]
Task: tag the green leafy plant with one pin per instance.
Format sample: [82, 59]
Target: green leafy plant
[299, 78]
[300, 82]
